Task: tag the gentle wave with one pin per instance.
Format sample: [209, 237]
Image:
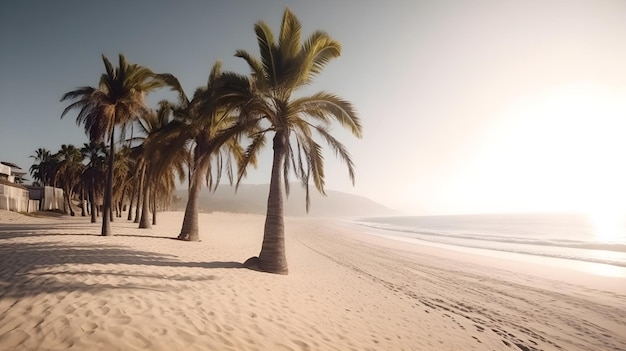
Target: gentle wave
[511, 240]
[605, 253]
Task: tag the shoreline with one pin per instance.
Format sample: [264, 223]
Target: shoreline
[615, 269]
[62, 286]
[592, 274]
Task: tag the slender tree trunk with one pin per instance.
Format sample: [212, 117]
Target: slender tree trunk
[69, 203]
[83, 202]
[272, 257]
[88, 202]
[140, 195]
[112, 206]
[65, 209]
[189, 231]
[154, 205]
[130, 205]
[106, 215]
[92, 201]
[123, 197]
[145, 208]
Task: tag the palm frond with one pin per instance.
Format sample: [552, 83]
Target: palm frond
[324, 106]
[250, 156]
[268, 51]
[290, 32]
[255, 65]
[317, 51]
[173, 82]
[340, 151]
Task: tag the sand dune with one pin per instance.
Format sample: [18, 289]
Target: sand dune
[64, 287]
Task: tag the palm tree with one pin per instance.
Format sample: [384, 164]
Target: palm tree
[151, 152]
[123, 164]
[42, 171]
[206, 125]
[118, 100]
[70, 168]
[284, 67]
[94, 172]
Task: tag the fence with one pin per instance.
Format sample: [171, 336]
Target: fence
[49, 198]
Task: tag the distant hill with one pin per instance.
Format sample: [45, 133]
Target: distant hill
[253, 199]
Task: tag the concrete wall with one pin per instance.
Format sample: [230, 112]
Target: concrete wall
[18, 199]
[13, 198]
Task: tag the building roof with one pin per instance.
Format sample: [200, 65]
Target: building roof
[10, 164]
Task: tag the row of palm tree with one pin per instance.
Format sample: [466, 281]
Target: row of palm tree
[203, 135]
[83, 170]
[65, 169]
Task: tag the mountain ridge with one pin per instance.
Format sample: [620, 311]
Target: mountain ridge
[252, 198]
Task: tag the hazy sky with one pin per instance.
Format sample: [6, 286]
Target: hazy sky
[467, 106]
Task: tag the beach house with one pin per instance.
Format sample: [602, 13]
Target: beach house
[13, 195]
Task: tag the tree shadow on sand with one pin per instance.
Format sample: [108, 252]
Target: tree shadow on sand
[28, 269]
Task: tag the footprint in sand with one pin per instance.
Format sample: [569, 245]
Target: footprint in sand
[89, 327]
[138, 340]
[121, 317]
[69, 309]
[105, 310]
[117, 331]
[13, 339]
[185, 336]
[159, 331]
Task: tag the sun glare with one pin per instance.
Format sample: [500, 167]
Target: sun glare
[608, 224]
[556, 150]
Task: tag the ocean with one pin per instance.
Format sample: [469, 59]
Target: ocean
[566, 236]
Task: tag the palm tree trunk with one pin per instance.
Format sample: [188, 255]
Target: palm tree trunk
[83, 202]
[154, 204]
[139, 195]
[121, 203]
[111, 207]
[145, 207]
[189, 231]
[272, 257]
[106, 215]
[92, 200]
[130, 205]
[69, 203]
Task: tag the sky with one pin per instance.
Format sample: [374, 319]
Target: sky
[478, 106]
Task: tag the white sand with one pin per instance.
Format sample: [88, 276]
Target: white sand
[64, 287]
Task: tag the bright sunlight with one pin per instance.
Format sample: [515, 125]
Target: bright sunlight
[562, 149]
[608, 224]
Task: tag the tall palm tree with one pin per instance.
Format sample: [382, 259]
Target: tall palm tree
[154, 171]
[284, 67]
[94, 172]
[118, 100]
[206, 126]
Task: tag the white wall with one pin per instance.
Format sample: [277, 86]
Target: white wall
[13, 198]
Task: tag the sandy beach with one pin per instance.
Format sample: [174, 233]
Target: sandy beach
[62, 286]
